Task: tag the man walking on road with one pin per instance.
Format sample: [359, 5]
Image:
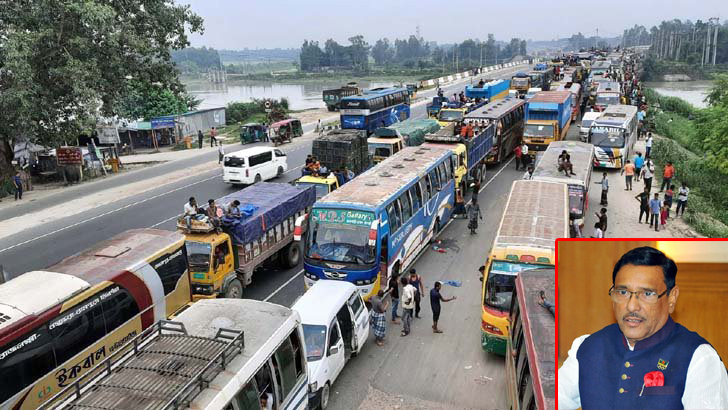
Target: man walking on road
[435, 299]
[213, 137]
[647, 174]
[416, 281]
[408, 305]
[199, 138]
[638, 163]
[628, 172]
[519, 154]
[648, 145]
[655, 206]
[525, 158]
[644, 200]
[667, 173]
[394, 294]
[220, 154]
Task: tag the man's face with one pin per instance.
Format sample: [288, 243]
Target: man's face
[636, 319]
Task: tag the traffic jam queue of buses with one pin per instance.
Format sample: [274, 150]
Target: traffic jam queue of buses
[155, 319]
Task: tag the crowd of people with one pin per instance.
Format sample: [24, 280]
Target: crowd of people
[315, 168]
[212, 215]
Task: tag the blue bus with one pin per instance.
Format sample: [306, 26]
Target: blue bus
[377, 224]
[379, 107]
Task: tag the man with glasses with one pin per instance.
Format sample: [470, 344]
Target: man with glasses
[645, 360]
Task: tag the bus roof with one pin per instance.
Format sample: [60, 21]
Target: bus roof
[74, 274]
[539, 327]
[375, 186]
[582, 156]
[496, 109]
[536, 214]
[378, 92]
[616, 115]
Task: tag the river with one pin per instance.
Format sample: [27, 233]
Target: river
[693, 92]
[300, 96]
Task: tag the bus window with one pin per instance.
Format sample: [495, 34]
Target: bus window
[298, 354]
[264, 382]
[394, 220]
[416, 195]
[78, 328]
[286, 368]
[435, 181]
[444, 177]
[32, 360]
[426, 189]
[118, 309]
[246, 399]
[170, 267]
[522, 372]
[525, 388]
[406, 206]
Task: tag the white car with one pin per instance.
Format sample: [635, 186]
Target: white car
[253, 165]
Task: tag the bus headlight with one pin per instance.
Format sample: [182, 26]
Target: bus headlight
[202, 289]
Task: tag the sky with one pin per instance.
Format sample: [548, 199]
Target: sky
[235, 24]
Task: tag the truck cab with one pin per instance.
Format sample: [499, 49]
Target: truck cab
[212, 261]
[323, 185]
[449, 115]
[381, 148]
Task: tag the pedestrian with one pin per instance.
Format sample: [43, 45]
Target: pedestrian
[648, 145]
[663, 215]
[473, 215]
[655, 206]
[379, 317]
[669, 194]
[318, 126]
[394, 295]
[529, 173]
[220, 154]
[18, 185]
[213, 137]
[605, 189]
[682, 199]
[435, 299]
[576, 228]
[525, 158]
[647, 174]
[644, 200]
[602, 215]
[459, 210]
[598, 233]
[199, 139]
[667, 174]
[518, 153]
[476, 189]
[638, 163]
[416, 281]
[628, 172]
[408, 305]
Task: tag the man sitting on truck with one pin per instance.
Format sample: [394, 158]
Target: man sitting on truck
[565, 164]
[192, 212]
[233, 209]
[212, 214]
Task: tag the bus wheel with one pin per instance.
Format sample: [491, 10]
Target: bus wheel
[290, 255]
[324, 402]
[234, 290]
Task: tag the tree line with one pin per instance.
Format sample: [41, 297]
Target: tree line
[685, 42]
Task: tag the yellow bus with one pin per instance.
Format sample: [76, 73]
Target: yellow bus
[536, 214]
[58, 323]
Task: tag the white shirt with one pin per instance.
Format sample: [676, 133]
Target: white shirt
[683, 194]
[649, 142]
[646, 173]
[706, 385]
[598, 233]
[524, 149]
[408, 293]
[189, 209]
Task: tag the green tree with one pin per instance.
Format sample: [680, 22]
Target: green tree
[382, 52]
[147, 101]
[718, 95]
[62, 63]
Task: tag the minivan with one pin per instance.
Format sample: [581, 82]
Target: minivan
[335, 328]
[253, 165]
[586, 121]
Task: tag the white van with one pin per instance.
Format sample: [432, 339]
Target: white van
[253, 165]
[586, 121]
[335, 328]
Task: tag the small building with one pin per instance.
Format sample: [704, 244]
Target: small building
[189, 122]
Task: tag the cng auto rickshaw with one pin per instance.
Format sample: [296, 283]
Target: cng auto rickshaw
[286, 130]
[252, 132]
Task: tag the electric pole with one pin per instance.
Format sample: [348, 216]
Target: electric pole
[715, 37]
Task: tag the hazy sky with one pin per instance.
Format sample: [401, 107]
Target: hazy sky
[235, 24]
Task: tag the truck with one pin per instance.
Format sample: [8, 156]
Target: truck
[337, 149]
[548, 117]
[520, 82]
[489, 91]
[434, 107]
[470, 152]
[222, 258]
[387, 141]
[455, 112]
[333, 96]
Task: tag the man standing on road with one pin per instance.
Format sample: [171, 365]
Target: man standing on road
[435, 299]
[416, 281]
[644, 200]
[667, 174]
[605, 189]
[525, 159]
[648, 145]
[518, 153]
[408, 305]
[18, 185]
[638, 163]
[628, 172]
[602, 220]
[655, 206]
[199, 138]
[213, 137]
[682, 199]
[647, 174]
[220, 154]
[394, 294]
[379, 317]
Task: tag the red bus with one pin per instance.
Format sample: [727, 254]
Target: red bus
[57, 323]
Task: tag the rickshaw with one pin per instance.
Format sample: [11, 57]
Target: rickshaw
[252, 132]
[286, 130]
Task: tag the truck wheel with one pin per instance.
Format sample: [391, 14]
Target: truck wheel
[257, 178]
[290, 255]
[234, 290]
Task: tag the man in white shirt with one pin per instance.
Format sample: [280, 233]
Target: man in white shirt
[408, 305]
[190, 211]
[645, 360]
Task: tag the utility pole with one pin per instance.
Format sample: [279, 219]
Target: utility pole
[715, 37]
[706, 50]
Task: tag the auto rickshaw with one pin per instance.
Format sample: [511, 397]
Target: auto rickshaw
[286, 130]
[252, 132]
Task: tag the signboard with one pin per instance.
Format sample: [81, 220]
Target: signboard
[163, 122]
[69, 156]
[343, 216]
[108, 134]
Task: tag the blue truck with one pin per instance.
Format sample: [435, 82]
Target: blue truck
[433, 108]
[548, 117]
[490, 91]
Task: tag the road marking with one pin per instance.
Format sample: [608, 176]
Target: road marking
[275, 292]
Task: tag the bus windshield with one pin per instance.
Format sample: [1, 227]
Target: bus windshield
[450, 115]
[198, 254]
[315, 337]
[538, 130]
[611, 137]
[501, 281]
[607, 99]
[520, 81]
[340, 235]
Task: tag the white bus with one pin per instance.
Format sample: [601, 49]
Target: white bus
[221, 354]
[613, 135]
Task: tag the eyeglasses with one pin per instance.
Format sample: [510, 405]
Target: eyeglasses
[647, 296]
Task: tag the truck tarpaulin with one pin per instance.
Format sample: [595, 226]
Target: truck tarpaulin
[272, 204]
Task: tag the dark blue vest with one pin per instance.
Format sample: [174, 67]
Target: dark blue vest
[611, 376]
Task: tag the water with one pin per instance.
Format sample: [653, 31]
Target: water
[300, 96]
[693, 92]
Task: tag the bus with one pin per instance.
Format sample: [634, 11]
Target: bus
[508, 115]
[379, 107]
[536, 214]
[378, 223]
[530, 362]
[57, 323]
[582, 159]
[219, 354]
[613, 135]
[608, 93]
